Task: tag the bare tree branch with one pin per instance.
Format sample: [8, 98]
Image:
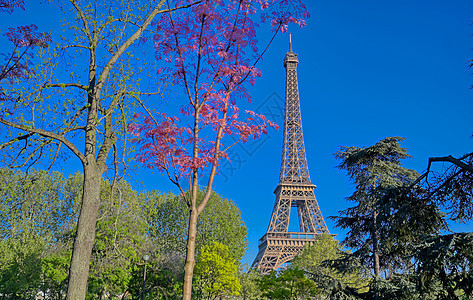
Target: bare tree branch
[452, 160]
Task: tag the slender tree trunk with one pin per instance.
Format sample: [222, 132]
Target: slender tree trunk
[190, 256]
[375, 240]
[85, 236]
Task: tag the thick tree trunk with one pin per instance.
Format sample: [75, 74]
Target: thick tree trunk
[85, 236]
[190, 255]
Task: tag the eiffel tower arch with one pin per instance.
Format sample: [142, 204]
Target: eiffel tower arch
[278, 245]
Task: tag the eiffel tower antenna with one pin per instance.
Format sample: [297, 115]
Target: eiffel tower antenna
[290, 43]
[279, 246]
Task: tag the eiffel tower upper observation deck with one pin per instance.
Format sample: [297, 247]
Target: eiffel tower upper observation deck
[278, 245]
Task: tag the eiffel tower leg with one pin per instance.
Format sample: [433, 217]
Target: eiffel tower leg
[281, 213]
[315, 215]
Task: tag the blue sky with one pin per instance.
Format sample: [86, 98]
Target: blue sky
[367, 70]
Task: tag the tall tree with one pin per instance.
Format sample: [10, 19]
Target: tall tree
[375, 171]
[84, 112]
[212, 52]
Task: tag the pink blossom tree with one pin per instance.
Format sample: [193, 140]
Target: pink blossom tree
[210, 51]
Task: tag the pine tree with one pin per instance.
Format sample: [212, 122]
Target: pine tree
[376, 171]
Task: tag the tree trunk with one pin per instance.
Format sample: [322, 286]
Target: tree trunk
[375, 239]
[190, 255]
[85, 236]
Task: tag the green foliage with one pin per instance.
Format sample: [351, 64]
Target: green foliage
[376, 172]
[402, 224]
[445, 265]
[317, 259]
[397, 286]
[120, 242]
[160, 283]
[78, 102]
[249, 279]
[291, 283]
[20, 270]
[55, 269]
[221, 222]
[217, 271]
[167, 217]
[35, 211]
[37, 204]
[39, 212]
[38, 215]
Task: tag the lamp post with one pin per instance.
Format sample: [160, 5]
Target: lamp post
[146, 257]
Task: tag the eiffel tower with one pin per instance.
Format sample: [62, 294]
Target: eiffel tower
[279, 246]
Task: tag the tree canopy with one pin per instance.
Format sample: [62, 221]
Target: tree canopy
[39, 218]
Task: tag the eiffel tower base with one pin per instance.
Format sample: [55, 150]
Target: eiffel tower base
[277, 249]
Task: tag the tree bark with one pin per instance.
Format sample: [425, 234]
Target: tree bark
[375, 240]
[190, 255]
[85, 236]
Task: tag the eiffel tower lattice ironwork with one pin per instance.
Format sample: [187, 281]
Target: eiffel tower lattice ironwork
[278, 245]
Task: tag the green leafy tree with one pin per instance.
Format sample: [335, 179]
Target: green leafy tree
[442, 262]
[292, 283]
[39, 214]
[121, 240]
[249, 279]
[398, 225]
[55, 268]
[221, 222]
[20, 273]
[45, 206]
[316, 260]
[166, 221]
[217, 271]
[161, 283]
[35, 210]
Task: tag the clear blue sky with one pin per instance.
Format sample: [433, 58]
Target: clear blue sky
[367, 70]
